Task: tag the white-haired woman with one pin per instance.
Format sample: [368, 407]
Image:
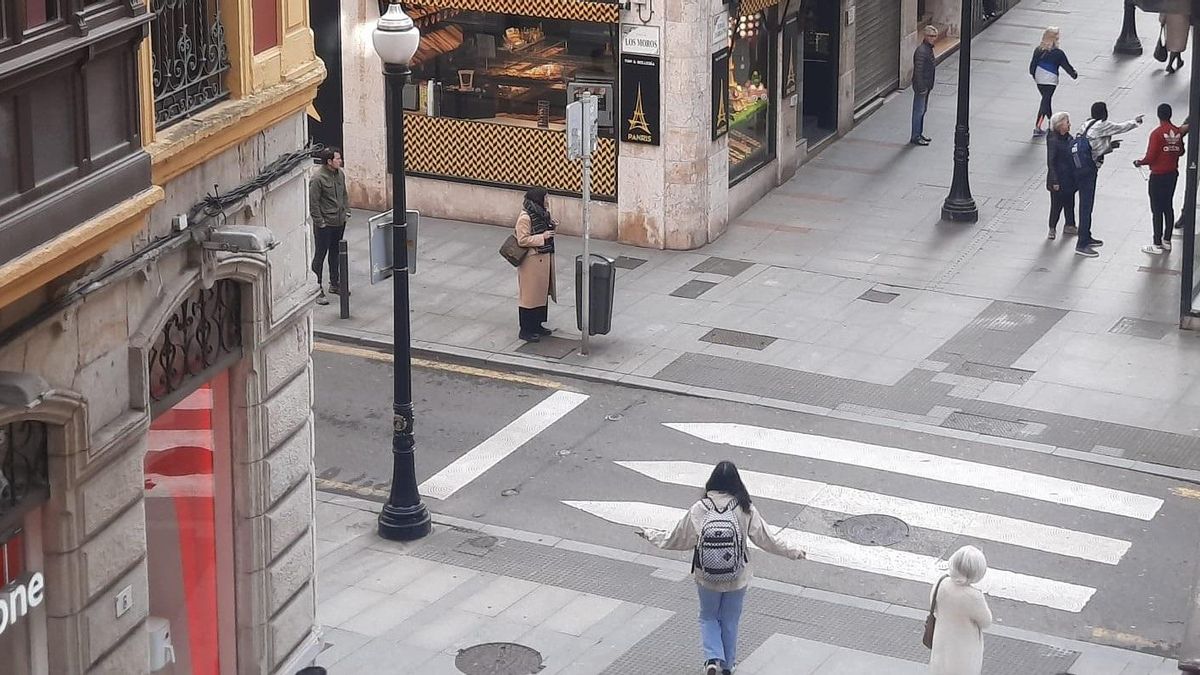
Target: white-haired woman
[1047, 60]
[962, 614]
[1060, 174]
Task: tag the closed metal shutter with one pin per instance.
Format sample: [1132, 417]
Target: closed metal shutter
[876, 49]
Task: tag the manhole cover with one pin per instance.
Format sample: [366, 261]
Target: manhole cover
[873, 529]
[498, 658]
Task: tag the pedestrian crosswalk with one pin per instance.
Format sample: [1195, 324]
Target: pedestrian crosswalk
[1060, 497]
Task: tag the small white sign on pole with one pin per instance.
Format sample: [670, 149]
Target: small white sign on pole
[581, 143]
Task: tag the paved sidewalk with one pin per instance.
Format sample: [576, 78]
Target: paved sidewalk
[841, 293]
[585, 609]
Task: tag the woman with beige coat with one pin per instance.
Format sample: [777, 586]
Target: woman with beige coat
[1177, 29]
[535, 274]
[962, 614]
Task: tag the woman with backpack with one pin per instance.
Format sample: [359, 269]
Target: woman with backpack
[1060, 174]
[716, 529]
[1044, 67]
[961, 614]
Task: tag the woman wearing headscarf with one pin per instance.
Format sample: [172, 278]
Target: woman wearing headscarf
[962, 614]
[723, 517]
[1176, 30]
[1060, 174]
[535, 275]
[1047, 60]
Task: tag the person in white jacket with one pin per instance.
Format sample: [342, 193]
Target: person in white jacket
[1100, 134]
[962, 614]
[721, 600]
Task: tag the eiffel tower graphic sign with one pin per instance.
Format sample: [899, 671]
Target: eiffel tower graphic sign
[640, 97]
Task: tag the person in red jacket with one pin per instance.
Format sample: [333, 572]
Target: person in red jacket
[1162, 156]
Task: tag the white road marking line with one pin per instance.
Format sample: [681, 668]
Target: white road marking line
[500, 444]
[874, 559]
[850, 501]
[933, 467]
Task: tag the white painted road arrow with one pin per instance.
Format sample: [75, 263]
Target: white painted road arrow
[874, 559]
[854, 502]
[924, 465]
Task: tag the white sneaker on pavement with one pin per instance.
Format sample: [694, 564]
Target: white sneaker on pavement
[1152, 249]
[1166, 244]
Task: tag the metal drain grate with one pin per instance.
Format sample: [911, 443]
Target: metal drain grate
[872, 529]
[628, 263]
[881, 297]
[989, 426]
[723, 266]
[1153, 330]
[692, 289]
[736, 338]
[498, 658]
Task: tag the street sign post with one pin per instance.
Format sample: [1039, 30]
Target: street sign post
[379, 244]
[581, 142]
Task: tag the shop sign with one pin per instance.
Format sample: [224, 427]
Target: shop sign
[640, 99]
[17, 599]
[720, 30]
[791, 30]
[644, 40]
[720, 94]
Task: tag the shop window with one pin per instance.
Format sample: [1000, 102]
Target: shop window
[38, 12]
[266, 24]
[509, 69]
[23, 624]
[751, 99]
[189, 538]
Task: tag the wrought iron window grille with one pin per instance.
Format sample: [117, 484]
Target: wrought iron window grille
[200, 339]
[24, 470]
[191, 58]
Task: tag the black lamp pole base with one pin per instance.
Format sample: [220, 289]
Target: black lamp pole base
[404, 523]
[960, 210]
[1129, 43]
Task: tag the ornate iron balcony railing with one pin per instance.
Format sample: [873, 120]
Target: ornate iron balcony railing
[191, 58]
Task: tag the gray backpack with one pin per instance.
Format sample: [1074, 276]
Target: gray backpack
[721, 548]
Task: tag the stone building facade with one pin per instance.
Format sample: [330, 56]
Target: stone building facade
[156, 433]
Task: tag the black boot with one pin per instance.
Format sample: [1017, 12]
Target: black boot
[539, 318]
[527, 318]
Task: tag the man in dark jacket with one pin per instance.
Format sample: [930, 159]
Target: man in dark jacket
[924, 69]
[330, 210]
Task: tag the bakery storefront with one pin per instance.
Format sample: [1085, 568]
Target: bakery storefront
[490, 86]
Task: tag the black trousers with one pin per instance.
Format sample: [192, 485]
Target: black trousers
[327, 239]
[1162, 204]
[989, 7]
[1047, 108]
[1062, 201]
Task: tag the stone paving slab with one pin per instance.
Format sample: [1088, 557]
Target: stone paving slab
[1093, 358]
[594, 610]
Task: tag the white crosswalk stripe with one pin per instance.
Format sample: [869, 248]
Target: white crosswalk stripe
[878, 560]
[917, 514]
[930, 466]
[500, 445]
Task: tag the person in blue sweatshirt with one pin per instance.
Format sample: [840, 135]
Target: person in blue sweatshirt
[1047, 60]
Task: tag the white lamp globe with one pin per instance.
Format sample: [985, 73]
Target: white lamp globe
[395, 37]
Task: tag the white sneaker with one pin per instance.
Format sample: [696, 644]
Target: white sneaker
[1152, 249]
[1166, 244]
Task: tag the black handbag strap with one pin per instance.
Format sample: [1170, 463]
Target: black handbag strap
[933, 600]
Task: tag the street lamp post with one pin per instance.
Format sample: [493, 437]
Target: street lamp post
[404, 517]
[960, 205]
[1128, 42]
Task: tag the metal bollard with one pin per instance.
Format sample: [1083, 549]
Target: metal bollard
[344, 275]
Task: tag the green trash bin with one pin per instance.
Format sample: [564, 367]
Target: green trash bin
[604, 284]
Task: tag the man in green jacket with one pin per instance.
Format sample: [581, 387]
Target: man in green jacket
[330, 210]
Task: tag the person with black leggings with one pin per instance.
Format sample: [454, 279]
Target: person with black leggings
[1044, 67]
[1060, 174]
[1162, 156]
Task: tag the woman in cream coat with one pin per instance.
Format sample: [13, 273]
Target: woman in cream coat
[962, 614]
[1177, 29]
[535, 275]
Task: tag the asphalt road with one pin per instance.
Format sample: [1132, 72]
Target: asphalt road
[1103, 557]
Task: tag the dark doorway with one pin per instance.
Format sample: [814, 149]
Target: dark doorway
[327, 31]
[822, 44]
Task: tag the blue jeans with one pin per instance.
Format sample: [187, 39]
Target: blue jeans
[1087, 199]
[920, 105]
[719, 617]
